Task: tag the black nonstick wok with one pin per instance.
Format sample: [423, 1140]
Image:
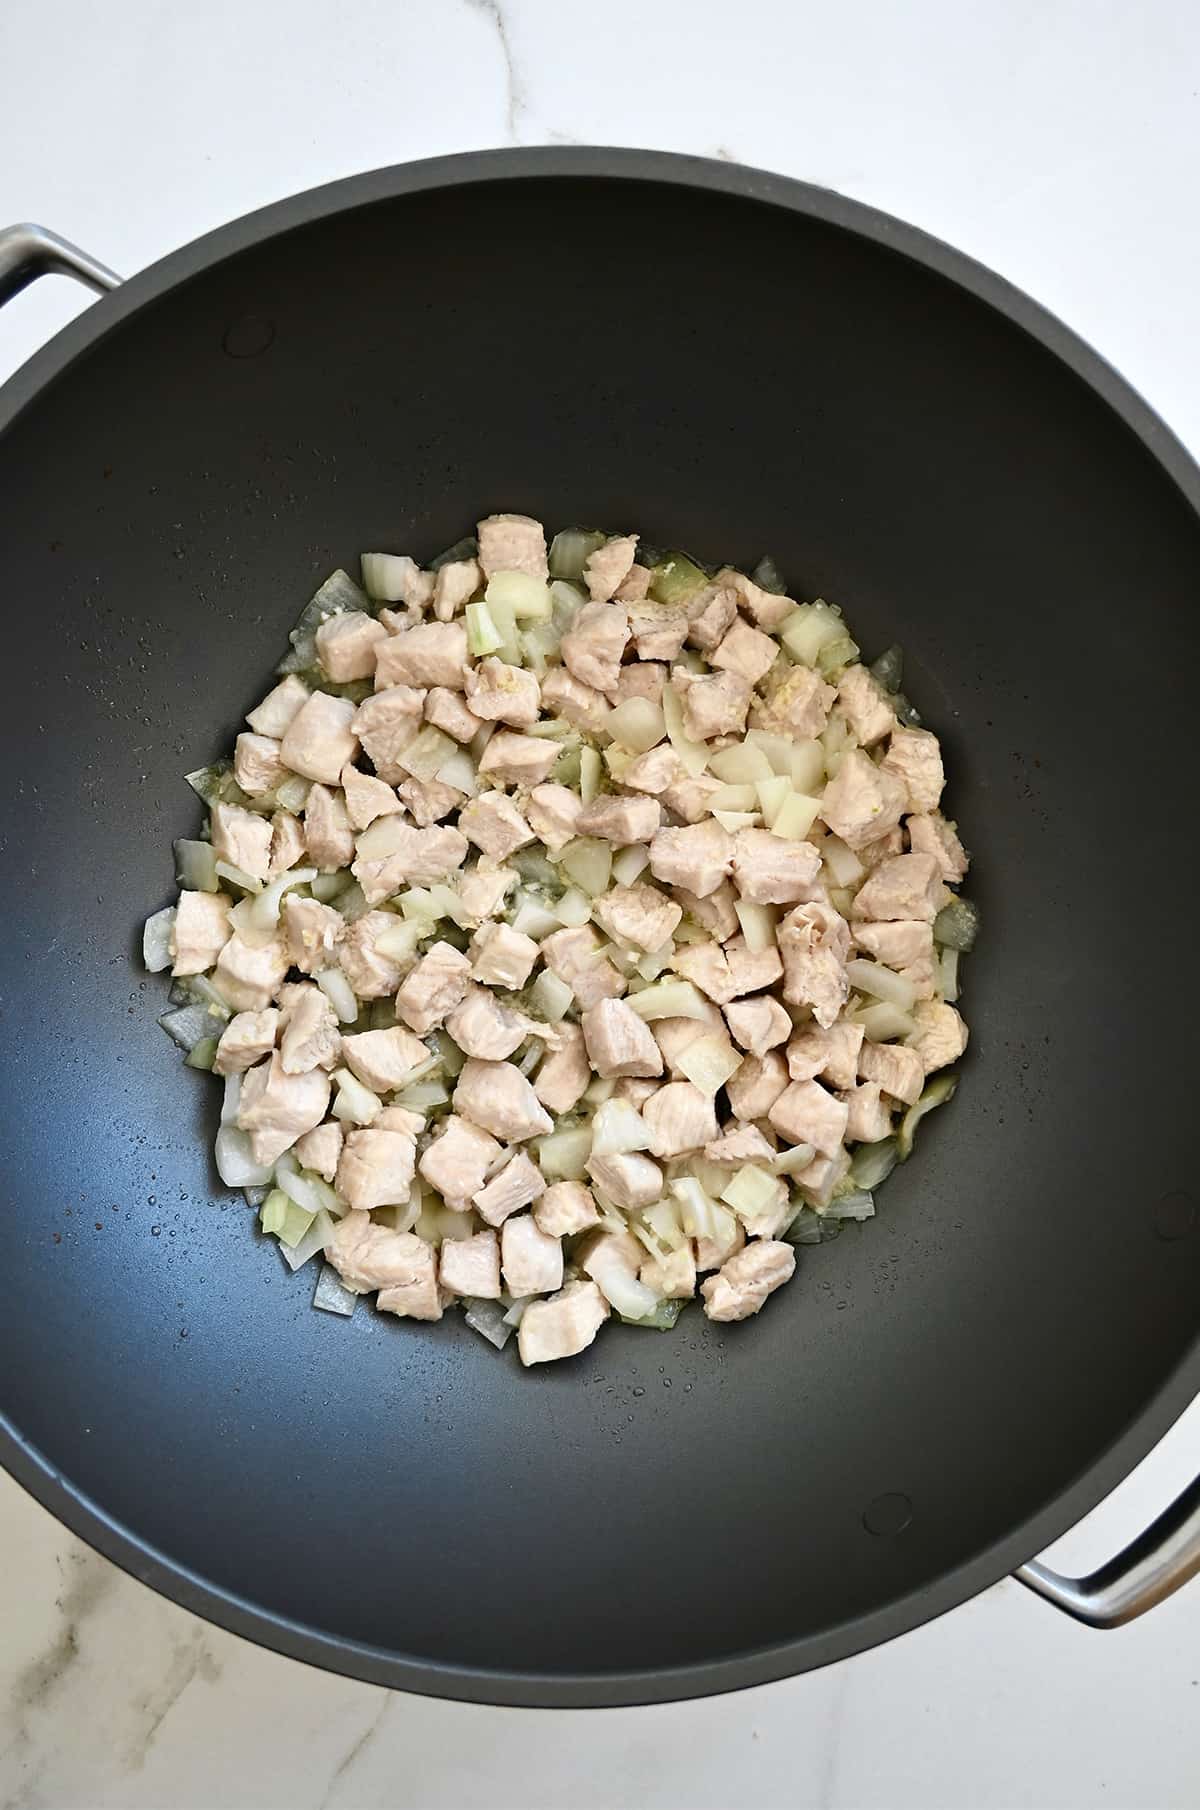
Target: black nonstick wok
[736, 364]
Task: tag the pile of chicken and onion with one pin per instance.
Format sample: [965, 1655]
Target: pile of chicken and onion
[575, 932]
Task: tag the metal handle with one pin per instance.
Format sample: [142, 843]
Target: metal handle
[1151, 1568]
[28, 252]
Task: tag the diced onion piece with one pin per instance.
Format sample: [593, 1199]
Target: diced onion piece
[837, 654]
[312, 1244]
[353, 903]
[806, 766]
[458, 770]
[483, 637]
[873, 1163]
[532, 918]
[855, 1203]
[528, 598]
[743, 765]
[795, 817]
[423, 1096]
[231, 1099]
[307, 1190]
[331, 1294]
[487, 1319]
[884, 1021]
[590, 771]
[570, 551]
[663, 1220]
[617, 1282]
[328, 887]
[736, 798]
[401, 941]
[574, 908]
[675, 578]
[701, 1216]
[291, 794]
[842, 862]
[957, 925]
[384, 836]
[709, 1062]
[189, 1025]
[814, 626]
[669, 999]
[273, 1211]
[751, 1191]
[777, 748]
[588, 862]
[629, 862]
[758, 924]
[196, 866]
[339, 993]
[235, 1162]
[638, 724]
[295, 1222]
[237, 876]
[618, 1128]
[881, 983]
[355, 1104]
[426, 753]
[947, 974]
[772, 794]
[254, 1197]
[516, 1312]
[793, 1159]
[735, 820]
[563, 1155]
[505, 621]
[598, 1089]
[156, 940]
[552, 996]
[202, 1055]
[936, 1093]
[385, 575]
[693, 756]
[842, 899]
[652, 964]
[264, 910]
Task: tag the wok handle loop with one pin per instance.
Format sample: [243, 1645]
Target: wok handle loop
[1151, 1568]
[28, 252]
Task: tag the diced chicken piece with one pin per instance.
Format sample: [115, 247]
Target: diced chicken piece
[497, 1096]
[495, 825]
[746, 651]
[277, 1108]
[593, 645]
[249, 976]
[930, 834]
[287, 843]
[311, 933]
[823, 1175]
[757, 1025]
[499, 693]
[347, 645]
[618, 1041]
[457, 1161]
[369, 1256]
[739, 1144]
[799, 707]
[327, 830]
[741, 1286]
[679, 1117]
[608, 567]
[418, 1297]
[711, 612]
[575, 956]
[814, 941]
[898, 944]
[405, 857]
[635, 584]
[385, 725]
[865, 706]
[371, 974]
[652, 771]
[831, 1053]
[870, 1118]
[320, 739]
[922, 976]
[628, 1181]
[637, 1090]
[309, 1034]
[673, 1276]
[454, 584]
[754, 1088]
[376, 1168]
[242, 839]
[246, 1039]
[899, 1070]
[675, 1035]
[565, 696]
[564, 1209]
[564, 1073]
[399, 1118]
[501, 956]
[725, 972]
[553, 812]
[873, 854]
[699, 857]
[516, 1185]
[906, 886]
[482, 1026]
[384, 1060]
[711, 1253]
[320, 1150]
[200, 931]
[715, 913]
[940, 1037]
[639, 915]
[278, 710]
[763, 607]
[471, 1266]
[862, 802]
[532, 1261]
[659, 629]
[691, 798]
[433, 988]
[620, 820]
[512, 759]
[642, 679]
[770, 870]
[429, 800]
[512, 543]
[806, 1113]
[256, 763]
[481, 891]
[367, 797]
[563, 1326]
[447, 711]
[432, 653]
[915, 757]
[715, 705]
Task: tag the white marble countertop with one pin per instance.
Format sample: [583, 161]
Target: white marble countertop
[1058, 144]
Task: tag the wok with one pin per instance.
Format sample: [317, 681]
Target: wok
[733, 363]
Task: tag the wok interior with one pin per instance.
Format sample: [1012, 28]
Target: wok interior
[732, 378]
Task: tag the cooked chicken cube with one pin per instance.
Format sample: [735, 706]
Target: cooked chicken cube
[482, 891]
[327, 830]
[553, 812]
[347, 645]
[563, 1326]
[501, 956]
[873, 854]
[865, 706]
[386, 724]
[457, 1161]
[566, 696]
[639, 915]
[642, 679]
[711, 612]
[757, 1025]
[746, 651]
[433, 988]
[277, 1108]
[391, 856]
[806, 1113]
[618, 1041]
[447, 711]
[532, 1261]
[652, 771]
[369, 1256]
[940, 1037]
[620, 820]
[711, 1253]
[770, 870]
[512, 759]
[432, 653]
[930, 834]
[429, 800]
[249, 974]
[679, 1117]
[503, 694]
[608, 567]
[870, 1118]
[628, 1181]
[454, 584]
[699, 857]
[256, 763]
[320, 740]
[691, 798]
[311, 933]
[659, 630]
[287, 843]
[275, 715]
[564, 1209]
[372, 974]
[471, 1266]
[321, 1150]
[635, 584]
[715, 705]
[418, 1296]
[754, 1088]
[482, 1025]
[799, 707]
[741, 1286]
[384, 1060]
[309, 1035]
[739, 1144]
[899, 1070]
[671, 1276]
[564, 1073]
[763, 607]
[242, 839]
[906, 886]
[915, 757]
[200, 931]
[899, 944]
[814, 941]
[399, 1118]
[593, 645]
[726, 971]
[831, 1053]
[495, 825]
[246, 1039]
[497, 1096]
[376, 1168]
[576, 957]
[515, 1186]
[863, 801]
[512, 543]
[367, 797]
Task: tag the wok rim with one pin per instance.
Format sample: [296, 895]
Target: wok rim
[82, 1515]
